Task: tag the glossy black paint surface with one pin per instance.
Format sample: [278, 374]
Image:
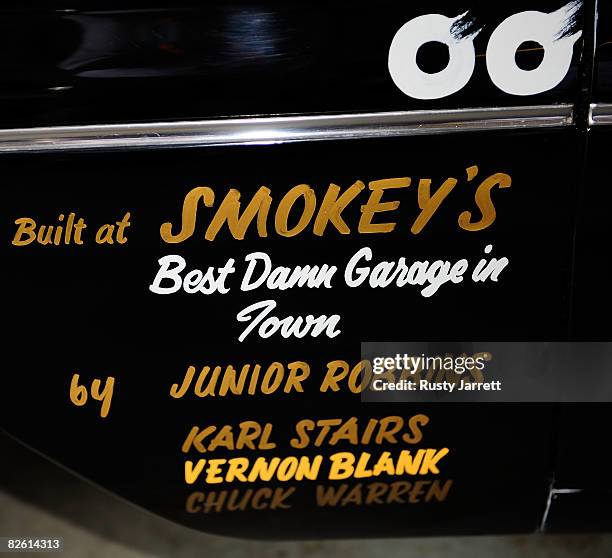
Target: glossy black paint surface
[602, 91]
[90, 309]
[95, 301]
[91, 64]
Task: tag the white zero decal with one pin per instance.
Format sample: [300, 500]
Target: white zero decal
[539, 27]
[403, 63]
[530, 26]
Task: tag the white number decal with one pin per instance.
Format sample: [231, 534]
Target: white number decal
[530, 26]
[403, 64]
[539, 27]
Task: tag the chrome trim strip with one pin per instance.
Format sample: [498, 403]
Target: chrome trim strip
[600, 114]
[280, 129]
